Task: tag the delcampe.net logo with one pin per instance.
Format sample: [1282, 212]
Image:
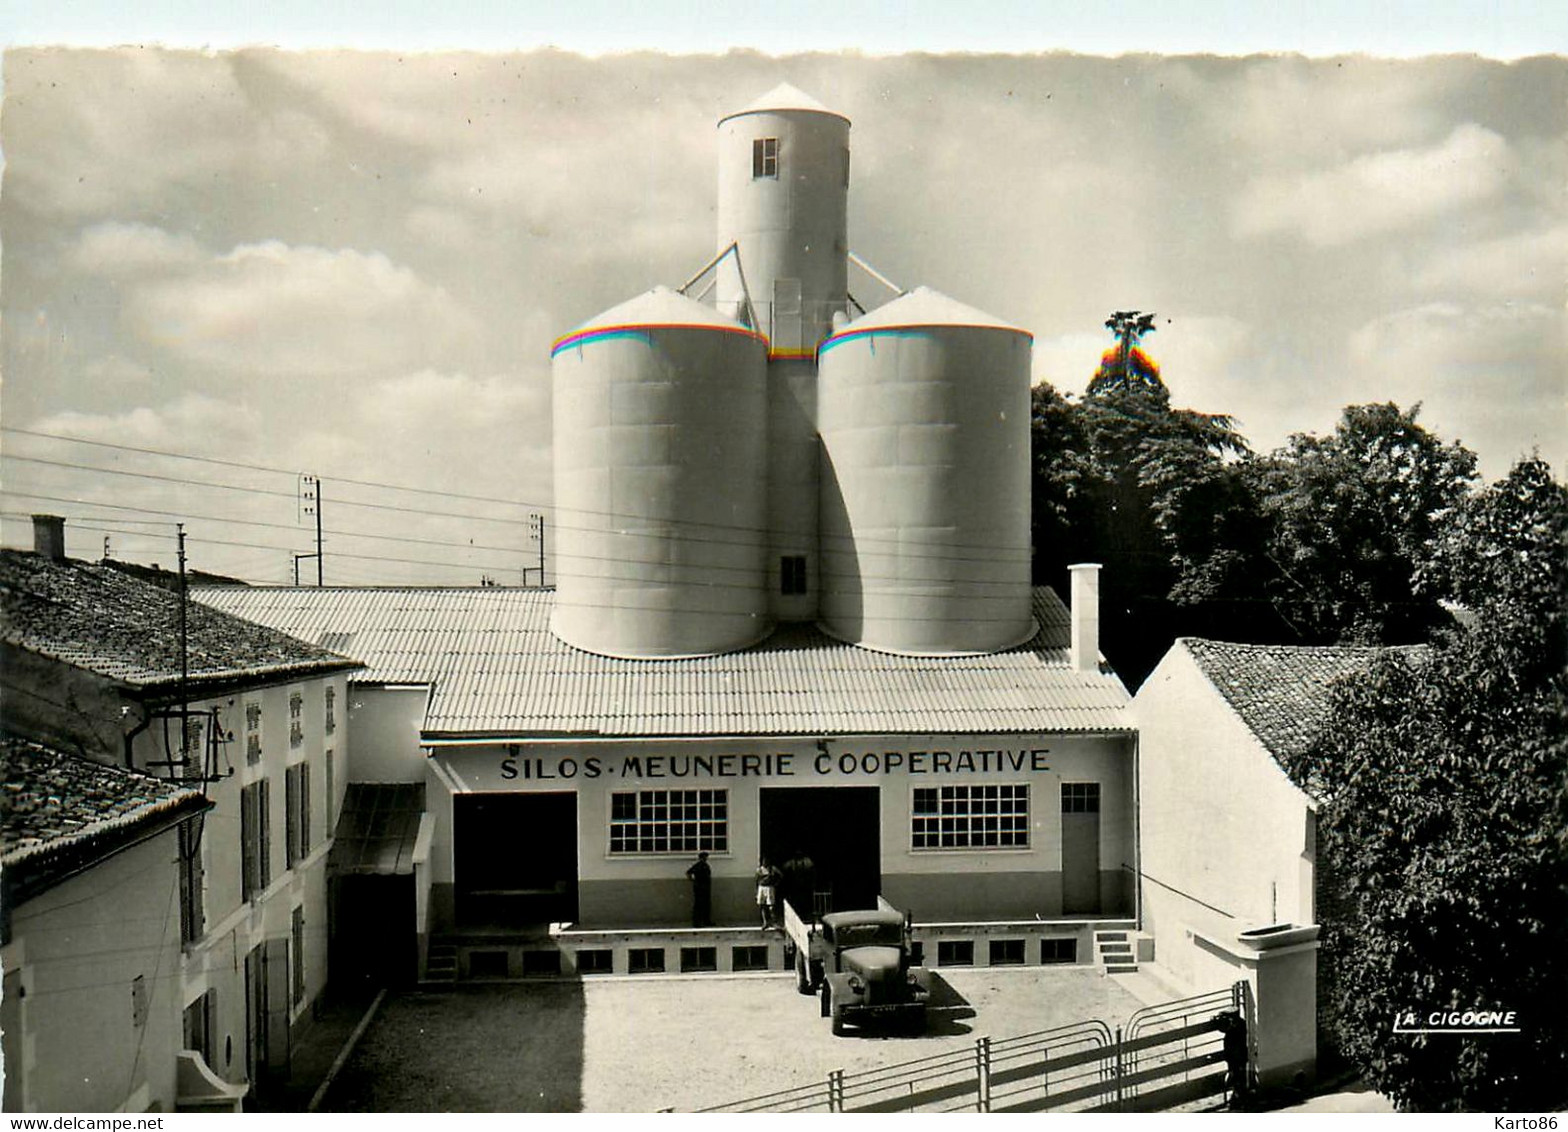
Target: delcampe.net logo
[1457, 1022]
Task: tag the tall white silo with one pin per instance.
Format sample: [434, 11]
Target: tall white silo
[923, 407]
[783, 187]
[660, 481]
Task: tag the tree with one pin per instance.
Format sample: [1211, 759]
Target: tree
[1442, 779]
[1153, 492]
[1353, 518]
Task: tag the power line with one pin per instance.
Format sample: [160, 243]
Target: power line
[614, 515]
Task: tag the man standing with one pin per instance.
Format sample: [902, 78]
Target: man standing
[701, 892]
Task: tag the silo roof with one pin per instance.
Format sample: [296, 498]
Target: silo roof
[784, 97]
[918, 308]
[660, 307]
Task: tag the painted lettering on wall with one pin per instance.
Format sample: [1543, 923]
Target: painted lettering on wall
[532, 768]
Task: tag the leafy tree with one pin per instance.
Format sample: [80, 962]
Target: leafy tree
[1442, 777]
[1153, 492]
[1353, 517]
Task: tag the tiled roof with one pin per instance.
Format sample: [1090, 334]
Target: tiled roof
[102, 620]
[52, 801]
[1281, 692]
[496, 669]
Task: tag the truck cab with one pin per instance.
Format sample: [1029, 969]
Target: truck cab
[866, 973]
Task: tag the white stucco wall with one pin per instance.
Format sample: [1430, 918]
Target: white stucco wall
[1224, 833]
[386, 724]
[77, 950]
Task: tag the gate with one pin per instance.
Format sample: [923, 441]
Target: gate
[1166, 1055]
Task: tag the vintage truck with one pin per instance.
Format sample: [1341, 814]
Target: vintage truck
[859, 962]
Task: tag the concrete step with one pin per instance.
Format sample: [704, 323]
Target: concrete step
[1121, 968]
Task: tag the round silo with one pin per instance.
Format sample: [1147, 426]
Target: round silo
[923, 408]
[660, 481]
[783, 199]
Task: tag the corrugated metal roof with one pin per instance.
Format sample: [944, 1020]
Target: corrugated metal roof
[496, 669]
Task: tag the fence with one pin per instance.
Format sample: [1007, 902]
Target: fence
[1166, 1055]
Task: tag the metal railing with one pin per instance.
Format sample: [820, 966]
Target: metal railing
[1166, 1055]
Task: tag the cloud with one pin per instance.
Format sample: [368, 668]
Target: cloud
[1527, 264]
[1067, 361]
[271, 310]
[116, 369]
[1490, 376]
[1377, 193]
[115, 250]
[115, 132]
[1291, 111]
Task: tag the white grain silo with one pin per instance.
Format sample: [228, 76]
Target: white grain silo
[782, 201]
[923, 408]
[660, 481]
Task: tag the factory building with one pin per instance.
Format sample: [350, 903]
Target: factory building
[792, 613]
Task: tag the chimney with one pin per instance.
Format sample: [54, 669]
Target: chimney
[1086, 616]
[49, 536]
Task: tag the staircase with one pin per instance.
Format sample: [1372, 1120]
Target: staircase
[1113, 950]
[441, 963]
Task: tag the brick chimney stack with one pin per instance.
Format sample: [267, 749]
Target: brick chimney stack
[1086, 617]
[49, 536]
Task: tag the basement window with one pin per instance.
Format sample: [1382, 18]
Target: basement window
[541, 962]
[645, 960]
[699, 959]
[750, 958]
[595, 961]
[1006, 952]
[955, 953]
[764, 157]
[1059, 949]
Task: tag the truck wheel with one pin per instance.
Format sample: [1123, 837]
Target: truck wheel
[827, 999]
[814, 968]
[837, 1015]
[802, 979]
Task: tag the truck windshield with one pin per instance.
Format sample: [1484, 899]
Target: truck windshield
[869, 935]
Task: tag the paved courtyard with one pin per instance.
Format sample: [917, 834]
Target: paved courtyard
[640, 1044]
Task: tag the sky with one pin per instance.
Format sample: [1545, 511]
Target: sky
[264, 262]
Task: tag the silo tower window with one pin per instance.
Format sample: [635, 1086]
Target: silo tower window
[792, 574]
[765, 157]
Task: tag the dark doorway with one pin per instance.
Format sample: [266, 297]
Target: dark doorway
[515, 856]
[372, 942]
[838, 827]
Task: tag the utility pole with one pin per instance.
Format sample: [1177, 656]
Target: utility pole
[185, 662]
[536, 533]
[309, 503]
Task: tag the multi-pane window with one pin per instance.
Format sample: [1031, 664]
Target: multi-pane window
[970, 817]
[765, 157]
[792, 574]
[331, 723]
[296, 718]
[252, 732]
[297, 813]
[297, 935]
[255, 840]
[669, 821]
[1080, 797]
